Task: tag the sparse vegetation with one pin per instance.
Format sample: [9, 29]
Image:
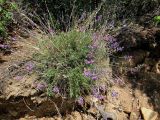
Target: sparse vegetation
[67, 61]
[6, 9]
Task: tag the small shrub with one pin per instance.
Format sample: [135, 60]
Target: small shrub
[6, 14]
[68, 62]
[63, 60]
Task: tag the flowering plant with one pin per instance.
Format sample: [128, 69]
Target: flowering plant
[68, 62]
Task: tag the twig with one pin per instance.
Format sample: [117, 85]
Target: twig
[56, 108]
[27, 105]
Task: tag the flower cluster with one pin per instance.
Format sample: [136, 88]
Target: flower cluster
[92, 48]
[80, 101]
[55, 90]
[90, 58]
[98, 91]
[118, 80]
[114, 94]
[90, 74]
[14, 38]
[29, 66]
[112, 44]
[98, 18]
[4, 46]
[41, 86]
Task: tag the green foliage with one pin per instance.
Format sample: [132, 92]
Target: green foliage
[62, 61]
[6, 9]
[157, 19]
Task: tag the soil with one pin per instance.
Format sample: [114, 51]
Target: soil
[20, 100]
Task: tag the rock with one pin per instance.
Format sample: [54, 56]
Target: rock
[126, 106]
[88, 117]
[69, 117]
[92, 111]
[132, 38]
[158, 67]
[33, 92]
[77, 116]
[57, 118]
[149, 114]
[127, 109]
[90, 100]
[105, 114]
[133, 116]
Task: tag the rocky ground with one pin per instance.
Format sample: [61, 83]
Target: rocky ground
[135, 97]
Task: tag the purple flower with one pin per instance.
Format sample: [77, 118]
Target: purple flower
[29, 66]
[80, 101]
[99, 97]
[119, 80]
[114, 93]
[94, 77]
[91, 61]
[119, 49]
[90, 74]
[4, 46]
[96, 93]
[83, 16]
[90, 55]
[112, 44]
[51, 31]
[18, 77]
[87, 73]
[109, 38]
[99, 18]
[95, 36]
[102, 88]
[55, 89]
[41, 86]
[93, 46]
[14, 38]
